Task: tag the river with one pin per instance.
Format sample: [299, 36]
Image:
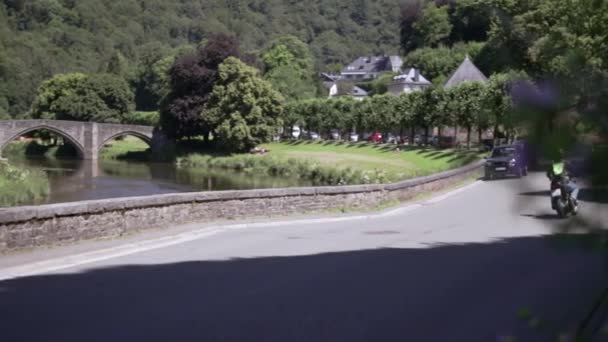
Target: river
[79, 180]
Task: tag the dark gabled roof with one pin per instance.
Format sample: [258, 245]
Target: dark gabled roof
[466, 72]
[347, 88]
[328, 84]
[358, 91]
[329, 77]
[373, 64]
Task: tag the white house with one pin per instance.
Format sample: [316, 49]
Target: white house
[409, 81]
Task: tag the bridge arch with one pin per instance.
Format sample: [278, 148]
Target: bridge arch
[147, 139]
[87, 137]
[74, 141]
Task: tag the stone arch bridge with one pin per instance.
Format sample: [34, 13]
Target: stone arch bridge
[87, 137]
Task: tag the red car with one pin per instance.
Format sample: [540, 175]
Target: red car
[375, 137]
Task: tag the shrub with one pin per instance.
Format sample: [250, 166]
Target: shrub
[142, 118]
[276, 167]
[18, 186]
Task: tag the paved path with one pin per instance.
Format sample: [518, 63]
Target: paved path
[455, 268]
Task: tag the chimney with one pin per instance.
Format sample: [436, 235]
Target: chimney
[416, 75]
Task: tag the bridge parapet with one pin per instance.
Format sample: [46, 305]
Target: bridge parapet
[87, 137]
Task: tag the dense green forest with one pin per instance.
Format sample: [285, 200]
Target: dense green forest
[138, 42]
[40, 38]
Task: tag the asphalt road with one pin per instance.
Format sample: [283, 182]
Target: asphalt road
[457, 268]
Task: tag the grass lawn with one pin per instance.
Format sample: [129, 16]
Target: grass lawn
[322, 162]
[129, 146]
[409, 162]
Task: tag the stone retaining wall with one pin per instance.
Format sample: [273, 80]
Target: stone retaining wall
[47, 225]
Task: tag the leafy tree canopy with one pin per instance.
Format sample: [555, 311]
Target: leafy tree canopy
[289, 67]
[191, 81]
[244, 108]
[99, 98]
[41, 38]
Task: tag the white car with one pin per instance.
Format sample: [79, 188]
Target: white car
[335, 134]
[313, 136]
[295, 132]
[354, 137]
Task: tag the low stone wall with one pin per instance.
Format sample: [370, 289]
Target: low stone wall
[47, 225]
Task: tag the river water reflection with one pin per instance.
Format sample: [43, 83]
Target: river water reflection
[79, 180]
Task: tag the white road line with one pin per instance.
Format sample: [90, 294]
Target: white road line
[71, 261]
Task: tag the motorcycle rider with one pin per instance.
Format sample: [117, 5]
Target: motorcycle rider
[559, 168]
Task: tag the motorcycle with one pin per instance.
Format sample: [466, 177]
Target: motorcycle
[561, 200]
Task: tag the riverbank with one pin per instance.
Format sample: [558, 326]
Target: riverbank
[317, 162]
[322, 162]
[18, 185]
[335, 163]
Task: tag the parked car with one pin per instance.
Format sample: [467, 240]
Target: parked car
[506, 160]
[375, 137]
[313, 136]
[422, 140]
[295, 132]
[354, 137]
[334, 134]
[389, 139]
[447, 142]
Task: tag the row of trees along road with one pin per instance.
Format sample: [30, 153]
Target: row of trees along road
[471, 105]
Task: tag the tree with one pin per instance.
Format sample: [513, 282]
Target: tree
[293, 114]
[405, 113]
[440, 115]
[467, 99]
[118, 65]
[424, 107]
[244, 108]
[309, 113]
[470, 20]
[151, 77]
[497, 102]
[343, 111]
[384, 106]
[380, 85]
[411, 12]
[291, 83]
[78, 97]
[289, 67]
[436, 64]
[433, 27]
[42, 38]
[192, 78]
